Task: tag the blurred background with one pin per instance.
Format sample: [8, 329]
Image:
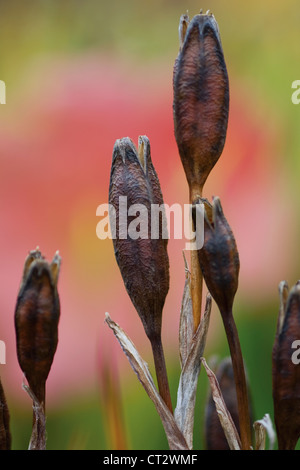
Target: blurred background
[80, 75]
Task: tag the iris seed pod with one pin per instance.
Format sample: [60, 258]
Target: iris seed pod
[219, 262]
[143, 260]
[219, 258]
[36, 320]
[5, 435]
[143, 263]
[286, 368]
[201, 98]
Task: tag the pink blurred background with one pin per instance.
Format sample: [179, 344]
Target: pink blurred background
[62, 117]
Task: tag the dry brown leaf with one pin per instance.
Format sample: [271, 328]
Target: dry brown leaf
[186, 394]
[186, 326]
[260, 435]
[175, 438]
[262, 428]
[226, 421]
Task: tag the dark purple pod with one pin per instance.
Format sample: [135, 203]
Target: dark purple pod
[286, 369]
[219, 258]
[201, 99]
[141, 254]
[219, 262]
[36, 320]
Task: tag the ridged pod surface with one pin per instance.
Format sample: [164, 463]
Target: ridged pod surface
[143, 262]
[201, 98]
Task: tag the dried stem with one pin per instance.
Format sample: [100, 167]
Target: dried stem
[38, 435]
[175, 437]
[196, 288]
[196, 273]
[240, 379]
[161, 371]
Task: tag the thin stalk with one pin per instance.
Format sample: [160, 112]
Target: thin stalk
[38, 435]
[161, 371]
[196, 288]
[240, 379]
[196, 273]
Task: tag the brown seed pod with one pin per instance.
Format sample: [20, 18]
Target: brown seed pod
[141, 255]
[36, 320]
[201, 99]
[219, 258]
[219, 262]
[143, 262]
[286, 368]
[5, 435]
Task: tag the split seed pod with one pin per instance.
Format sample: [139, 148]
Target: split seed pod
[286, 368]
[201, 98]
[36, 320]
[141, 254]
[219, 262]
[219, 258]
[143, 261]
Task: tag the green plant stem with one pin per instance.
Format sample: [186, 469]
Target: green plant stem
[240, 379]
[161, 371]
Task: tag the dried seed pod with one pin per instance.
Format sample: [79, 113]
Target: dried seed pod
[286, 368]
[219, 262]
[141, 240]
[201, 98]
[219, 258]
[5, 435]
[36, 320]
[214, 434]
[143, 262]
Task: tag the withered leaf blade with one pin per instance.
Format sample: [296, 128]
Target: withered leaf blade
[5, 434]
[283, 289]
[262, 428]
[174, 436]
[214, 435]
[186, 325]
[226, 420]
[186, 394]
[260, 436]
